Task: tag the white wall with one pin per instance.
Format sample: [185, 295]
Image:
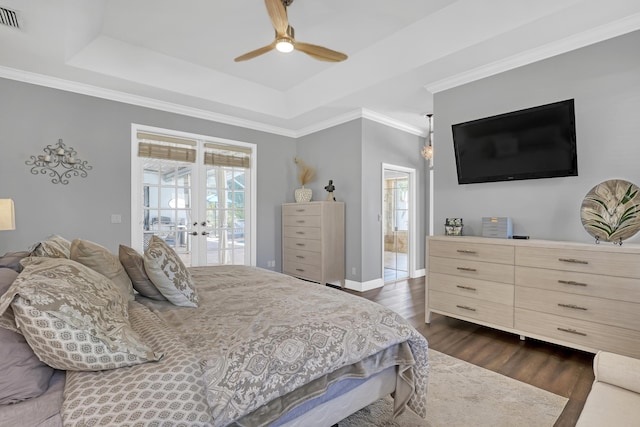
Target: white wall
[604, 80]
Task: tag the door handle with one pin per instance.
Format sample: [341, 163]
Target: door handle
[204, 233]
[194, 233]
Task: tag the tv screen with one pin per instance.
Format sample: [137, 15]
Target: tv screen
[538, 142]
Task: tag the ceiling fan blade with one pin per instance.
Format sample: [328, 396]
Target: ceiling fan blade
[257, 52]
[320, 53]
[278, 15]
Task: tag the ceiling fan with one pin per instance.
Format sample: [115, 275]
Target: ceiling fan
[285, 40]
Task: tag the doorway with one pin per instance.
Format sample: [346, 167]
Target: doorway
[398, 222]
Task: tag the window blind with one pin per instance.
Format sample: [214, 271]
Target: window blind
[166, 147]
[227, 155]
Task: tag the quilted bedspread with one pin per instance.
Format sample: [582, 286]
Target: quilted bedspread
[266, 342]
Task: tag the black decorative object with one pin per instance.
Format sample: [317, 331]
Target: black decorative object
[330, 189]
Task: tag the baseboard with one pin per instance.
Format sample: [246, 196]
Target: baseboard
[420, 273]
[364, 286]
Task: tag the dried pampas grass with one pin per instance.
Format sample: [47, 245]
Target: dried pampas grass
[306, 173]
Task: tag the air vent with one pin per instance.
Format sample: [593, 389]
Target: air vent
[9, 17]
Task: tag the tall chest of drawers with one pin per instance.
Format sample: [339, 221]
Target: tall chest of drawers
[584, 296]
[313, 241]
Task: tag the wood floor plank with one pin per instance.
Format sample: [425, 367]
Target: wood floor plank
[560, 370]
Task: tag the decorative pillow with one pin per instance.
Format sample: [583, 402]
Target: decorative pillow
[169, 274]
[12, 260]
[133, 264]
[23, 375]
[73, 317]
[100, 259]
[53, 247]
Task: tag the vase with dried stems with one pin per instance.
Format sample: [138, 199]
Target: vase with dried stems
[306, 174]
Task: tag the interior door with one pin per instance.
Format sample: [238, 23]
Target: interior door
[396, 225]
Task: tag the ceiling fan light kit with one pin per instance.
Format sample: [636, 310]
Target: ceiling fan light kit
[285, 39]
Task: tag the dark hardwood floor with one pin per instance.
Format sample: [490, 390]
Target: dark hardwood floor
[557, 369]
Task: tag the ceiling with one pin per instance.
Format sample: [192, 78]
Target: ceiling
[178, 55]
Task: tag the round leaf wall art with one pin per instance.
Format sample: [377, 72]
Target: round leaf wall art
[611, 211]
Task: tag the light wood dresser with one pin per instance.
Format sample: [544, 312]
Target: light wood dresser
[579, 295]
[313, 241]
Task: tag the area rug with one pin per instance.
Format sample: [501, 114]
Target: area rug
[462, 394]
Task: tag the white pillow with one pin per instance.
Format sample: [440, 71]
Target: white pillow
[169, 274]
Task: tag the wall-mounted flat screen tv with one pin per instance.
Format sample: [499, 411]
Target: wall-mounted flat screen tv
[537, 142]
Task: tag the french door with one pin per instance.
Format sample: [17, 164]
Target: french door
[196, 193]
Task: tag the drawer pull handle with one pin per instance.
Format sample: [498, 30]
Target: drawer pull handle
[300, 210]
[300, 256]
[572, 331]
[573, 260]
[571, 282]
[466, 269]
[299, 232]
[300, 269]
[573, 306]
[464, 307]
[301, 221]
[468, 288]
[466, 251]
[300, 244]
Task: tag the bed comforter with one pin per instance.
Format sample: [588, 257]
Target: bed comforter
[259, 344]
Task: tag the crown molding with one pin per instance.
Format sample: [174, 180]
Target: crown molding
[140, 101]
[577, 41]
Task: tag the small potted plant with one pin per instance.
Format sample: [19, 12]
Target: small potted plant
[306, 174]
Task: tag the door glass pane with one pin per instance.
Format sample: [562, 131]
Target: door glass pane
[396, 225]
[167, 201]
[226, 212]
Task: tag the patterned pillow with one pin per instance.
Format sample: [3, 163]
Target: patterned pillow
[73, 317]
[100, 259]
[53, 247]
[133, 264]
[169, 274]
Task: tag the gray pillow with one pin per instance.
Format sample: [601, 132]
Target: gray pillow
[12, 260]
[133, 263]
[23, 375]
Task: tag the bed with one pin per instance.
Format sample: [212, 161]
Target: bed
[260, 349]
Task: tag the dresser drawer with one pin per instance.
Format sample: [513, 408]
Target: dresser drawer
[473, 269]
[303, 232]
[472, 308]
[593, 309]
[301, 220]
[472, 251]
[310, 272]
[302, 257]
[595, 285]
[303, 244]
[593, 262]
[501, 293]
[568, 331]
[302, 209]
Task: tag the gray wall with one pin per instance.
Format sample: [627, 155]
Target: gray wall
[604, 80]
[32, 117]
[336, 154]
[352, 155]
[382, 144]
